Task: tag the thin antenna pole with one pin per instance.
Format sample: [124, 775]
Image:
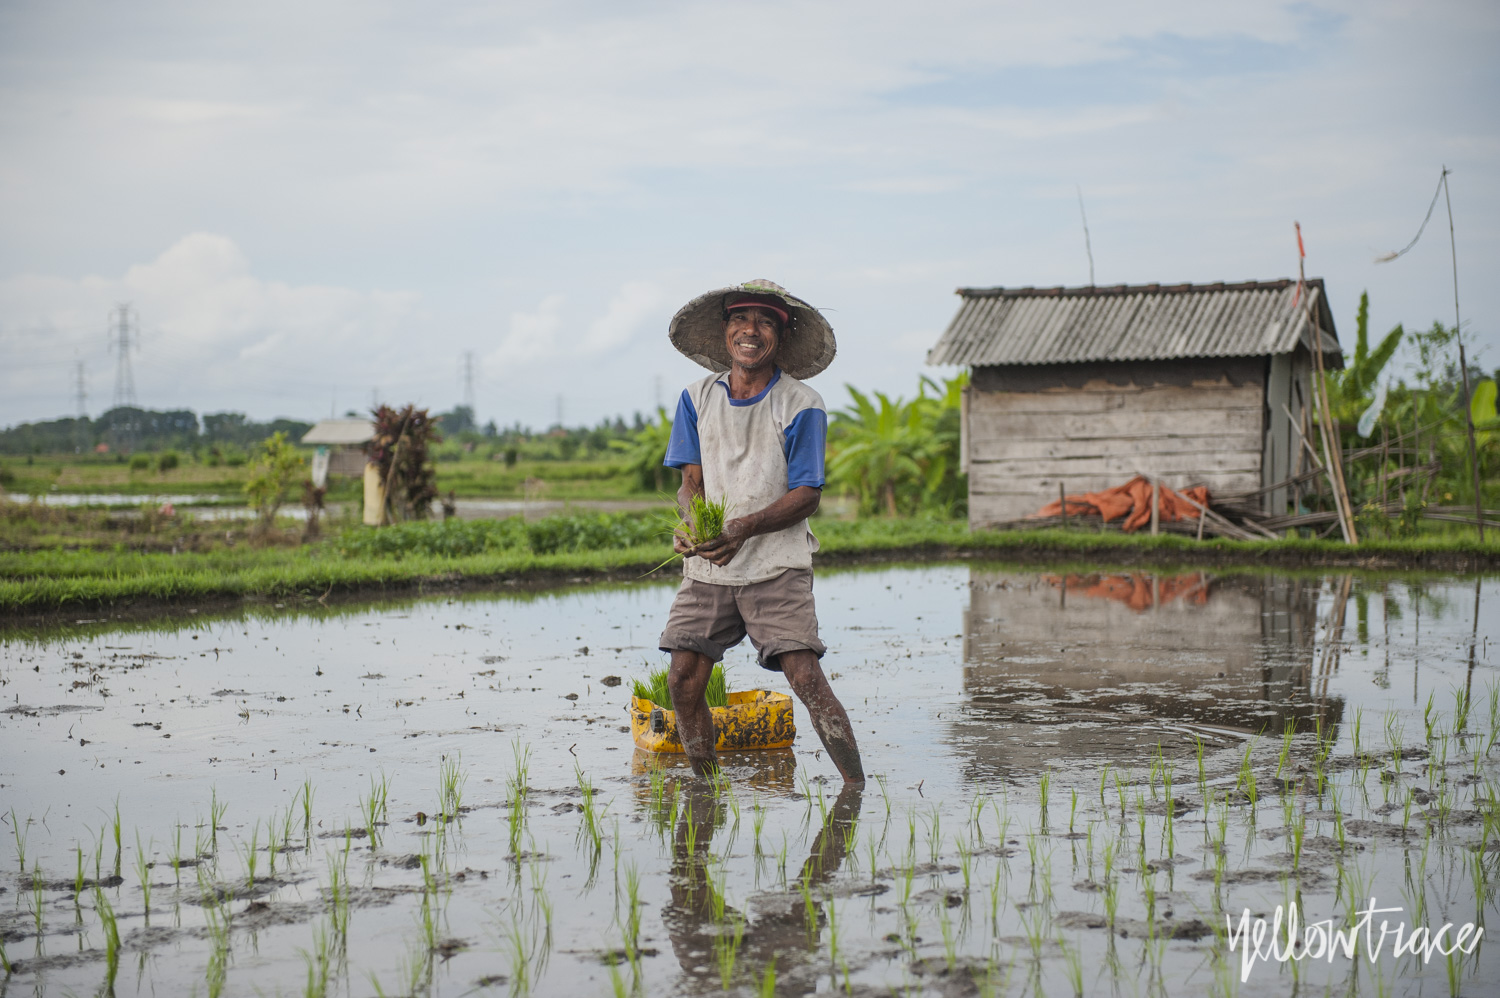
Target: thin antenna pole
[80, 391]
[1463, 363]
[80, 398]
[1087, 245]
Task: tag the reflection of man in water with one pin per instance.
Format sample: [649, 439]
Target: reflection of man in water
[753, 435]
[779, 930]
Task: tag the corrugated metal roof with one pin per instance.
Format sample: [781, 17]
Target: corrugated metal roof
[1132, 322]
[341, 432]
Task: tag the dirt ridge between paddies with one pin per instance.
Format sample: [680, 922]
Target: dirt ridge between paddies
[41, 583]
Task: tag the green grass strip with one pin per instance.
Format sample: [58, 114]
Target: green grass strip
[83, 578]
[49, 579]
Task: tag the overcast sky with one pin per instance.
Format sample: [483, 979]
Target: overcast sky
[313, 204]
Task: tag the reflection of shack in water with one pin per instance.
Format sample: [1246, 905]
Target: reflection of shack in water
[1082, 653]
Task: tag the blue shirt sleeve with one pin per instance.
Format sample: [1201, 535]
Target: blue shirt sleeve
[805, 440]
[682, 448]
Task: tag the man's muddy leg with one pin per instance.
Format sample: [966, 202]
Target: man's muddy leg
[829, 718]
[687, 679]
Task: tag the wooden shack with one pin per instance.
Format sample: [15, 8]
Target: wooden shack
[340, 447]
[1084, 388]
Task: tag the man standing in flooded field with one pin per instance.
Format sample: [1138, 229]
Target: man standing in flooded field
[752, 434]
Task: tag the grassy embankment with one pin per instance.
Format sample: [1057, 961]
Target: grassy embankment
[465, 475]
[53, 559]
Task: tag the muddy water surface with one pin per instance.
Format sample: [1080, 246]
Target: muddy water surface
[1029, 730]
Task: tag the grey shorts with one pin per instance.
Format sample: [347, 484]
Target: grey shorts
[778, 615]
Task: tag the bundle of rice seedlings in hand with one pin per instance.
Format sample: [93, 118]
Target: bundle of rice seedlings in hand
[654, 688]
[705, 520]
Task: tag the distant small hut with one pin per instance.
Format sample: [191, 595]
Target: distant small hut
[340, 447]
[1085, 388]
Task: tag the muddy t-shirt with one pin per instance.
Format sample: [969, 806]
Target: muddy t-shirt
[753, 451]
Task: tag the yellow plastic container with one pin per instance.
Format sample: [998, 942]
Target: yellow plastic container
[754, 719]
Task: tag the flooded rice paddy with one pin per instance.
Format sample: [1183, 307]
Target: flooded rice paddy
[1079, 777]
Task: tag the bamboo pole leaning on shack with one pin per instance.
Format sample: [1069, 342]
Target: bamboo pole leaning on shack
[1222, 524]
[1332, 454]
[1296, 468]
[1332, 449]
[1256, 527]
[1312, 455]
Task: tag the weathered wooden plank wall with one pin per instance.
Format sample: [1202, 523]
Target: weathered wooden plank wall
[1022, 444]
[347, 461]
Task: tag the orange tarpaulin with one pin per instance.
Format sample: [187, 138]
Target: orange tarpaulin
[1132, 501]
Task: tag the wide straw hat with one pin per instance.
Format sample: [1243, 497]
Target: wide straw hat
[807, 344]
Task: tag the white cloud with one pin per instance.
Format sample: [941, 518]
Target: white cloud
[539, 336]
[210, 332]
[485, 155]
[532, 335]
[196, 112]
[495, 102]
[635, 302]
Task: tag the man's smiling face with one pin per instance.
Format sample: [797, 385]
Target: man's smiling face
[752, 335]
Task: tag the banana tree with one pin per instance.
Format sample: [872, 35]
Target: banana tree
[646, 450]
[945, 487]
[1352, 391]
[897, 455]
[879, 447]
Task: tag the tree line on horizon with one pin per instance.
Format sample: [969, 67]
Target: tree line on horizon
[129, 429]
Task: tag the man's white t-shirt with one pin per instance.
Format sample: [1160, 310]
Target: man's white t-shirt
[753, 451]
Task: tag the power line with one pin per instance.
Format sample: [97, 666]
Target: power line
[1441, 187]
[468, 368]
[124, 333]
